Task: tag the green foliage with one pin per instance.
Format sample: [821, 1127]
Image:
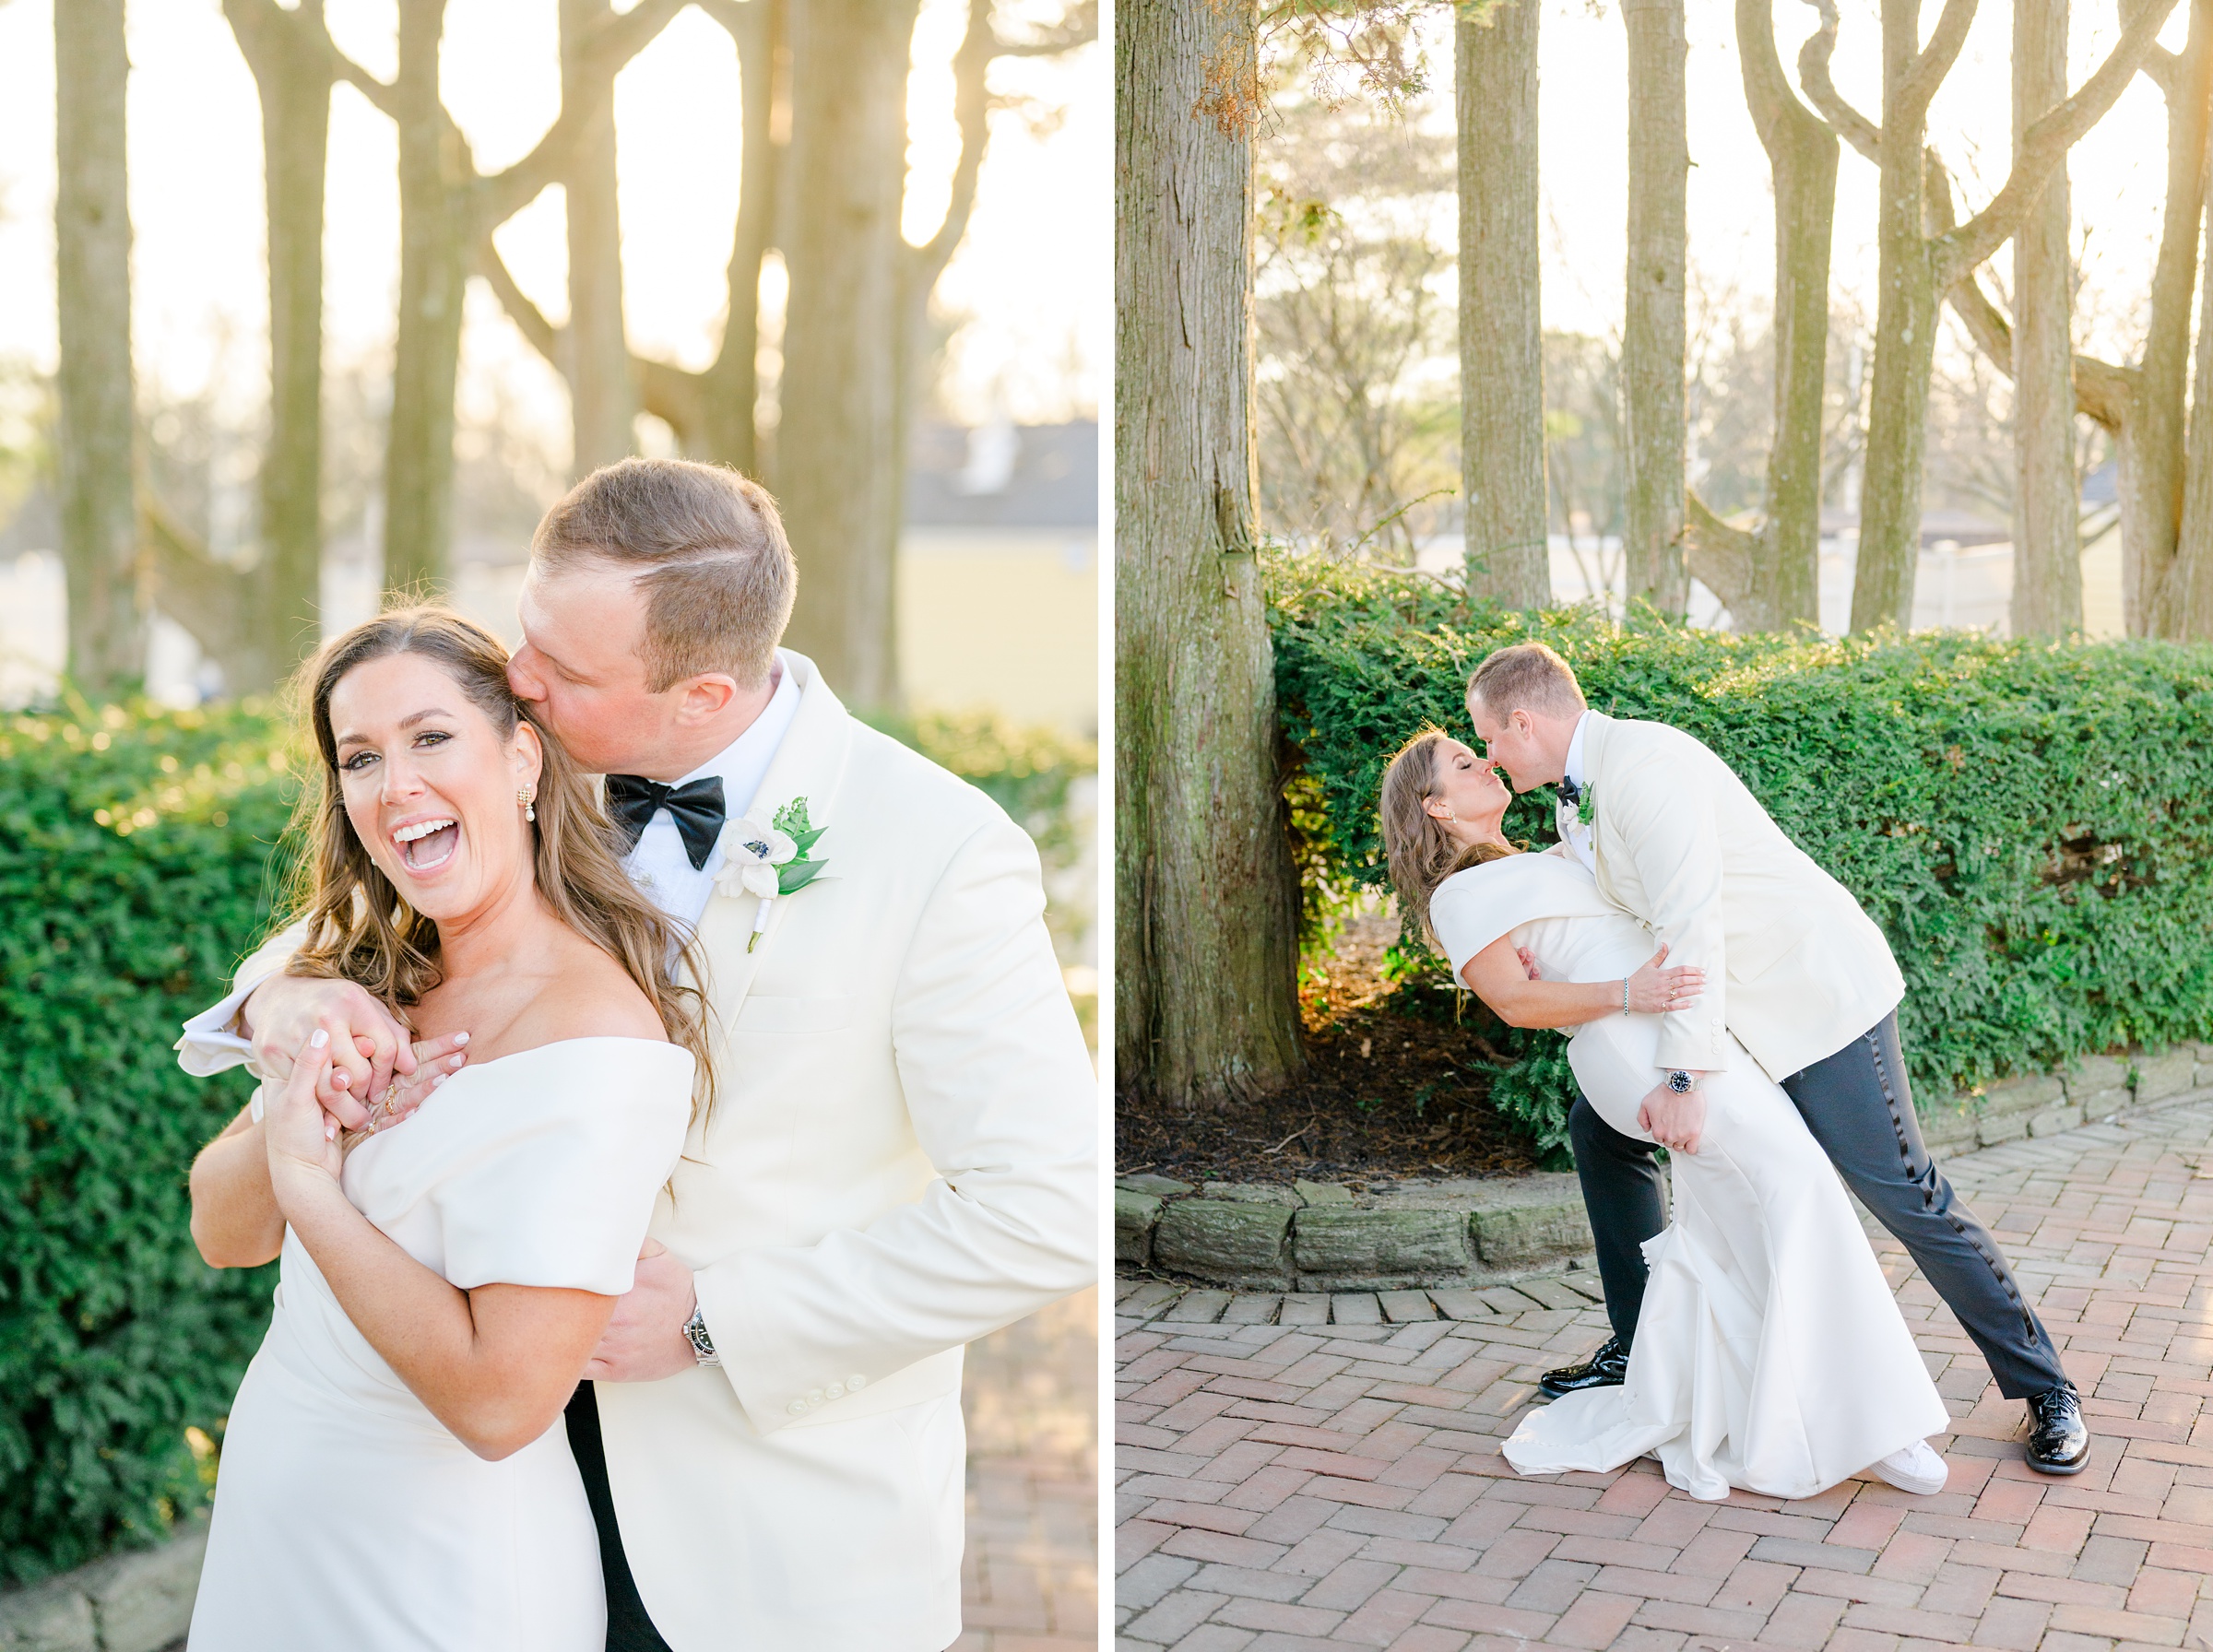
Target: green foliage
[2029, 823]
[140, 851]
[133, 848]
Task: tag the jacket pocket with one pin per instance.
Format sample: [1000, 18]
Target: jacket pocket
[766, 1012]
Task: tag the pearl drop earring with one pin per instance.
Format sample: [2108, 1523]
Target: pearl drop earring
[528, 800]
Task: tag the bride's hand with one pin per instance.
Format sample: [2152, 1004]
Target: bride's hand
[436, 1060]
[1657, 991]
[303, 1139]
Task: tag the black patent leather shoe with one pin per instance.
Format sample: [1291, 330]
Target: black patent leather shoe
[1605, 1369]
[2058, 1440]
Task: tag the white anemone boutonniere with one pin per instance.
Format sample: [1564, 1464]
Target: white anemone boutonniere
[766, 856]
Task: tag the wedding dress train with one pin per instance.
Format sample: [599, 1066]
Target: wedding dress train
[1769, 1352]
[347, 1518]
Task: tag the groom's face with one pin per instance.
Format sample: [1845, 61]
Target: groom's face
[1512, 742]
[579, 666]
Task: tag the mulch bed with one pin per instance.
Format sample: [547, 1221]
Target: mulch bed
[1392, 1094]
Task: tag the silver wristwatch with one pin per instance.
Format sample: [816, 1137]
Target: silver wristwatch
[1681, 1082]
[695, 1333]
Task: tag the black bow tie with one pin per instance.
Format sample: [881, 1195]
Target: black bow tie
[1570, 793]
[696, 809]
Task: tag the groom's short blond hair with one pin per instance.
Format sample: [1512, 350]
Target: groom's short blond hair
[1526, 677]
[709, 555]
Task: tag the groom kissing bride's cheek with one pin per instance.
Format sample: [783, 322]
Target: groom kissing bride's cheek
[1728, 1001]
[743, 1088]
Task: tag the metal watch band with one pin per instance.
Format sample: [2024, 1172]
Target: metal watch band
[703, 1345]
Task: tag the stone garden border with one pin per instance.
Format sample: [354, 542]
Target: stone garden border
[1322, 1237]
[136, 1603]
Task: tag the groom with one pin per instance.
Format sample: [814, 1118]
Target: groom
[900, 1156]
[1796, 970]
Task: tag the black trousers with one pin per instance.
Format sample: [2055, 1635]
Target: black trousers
[1860, 1108]
[628, 1627]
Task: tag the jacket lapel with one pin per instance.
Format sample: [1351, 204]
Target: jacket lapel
[809, 763]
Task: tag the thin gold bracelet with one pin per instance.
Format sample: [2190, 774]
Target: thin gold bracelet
[1625, 995]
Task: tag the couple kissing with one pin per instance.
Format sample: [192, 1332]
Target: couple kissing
[1754, 1341]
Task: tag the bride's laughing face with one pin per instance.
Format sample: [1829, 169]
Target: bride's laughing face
[1467, 789]
[430, 786]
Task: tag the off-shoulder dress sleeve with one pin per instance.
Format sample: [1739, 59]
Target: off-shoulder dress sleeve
[543, 1167]
[1474, 908]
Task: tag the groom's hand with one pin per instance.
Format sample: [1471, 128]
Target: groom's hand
[367, 1046]
[1675, 1122]
[645, 1342]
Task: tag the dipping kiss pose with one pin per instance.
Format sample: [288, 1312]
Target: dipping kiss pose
[1770, 1353]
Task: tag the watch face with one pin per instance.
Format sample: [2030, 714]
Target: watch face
[1679, 1083]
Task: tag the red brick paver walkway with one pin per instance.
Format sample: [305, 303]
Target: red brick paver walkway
[1326, 1482]
[1029, 1576]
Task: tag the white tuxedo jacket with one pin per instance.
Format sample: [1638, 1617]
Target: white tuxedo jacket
[901, 1158]
[1792, 966]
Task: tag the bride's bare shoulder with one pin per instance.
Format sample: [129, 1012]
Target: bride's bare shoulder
[588, 994]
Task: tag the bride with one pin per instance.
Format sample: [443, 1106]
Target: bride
[393, 1473]
[1770, 1353]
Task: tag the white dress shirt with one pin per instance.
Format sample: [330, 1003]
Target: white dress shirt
[1573, 831]
[658, 864]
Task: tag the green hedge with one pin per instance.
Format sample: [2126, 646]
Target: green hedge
[132, 852]
[2031, 823]
[138, 863]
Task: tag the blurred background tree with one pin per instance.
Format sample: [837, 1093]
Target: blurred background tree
[855, 144]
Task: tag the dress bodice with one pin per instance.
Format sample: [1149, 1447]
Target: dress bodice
[539, 1168]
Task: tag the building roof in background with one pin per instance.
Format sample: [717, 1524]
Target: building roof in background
[1004, 476]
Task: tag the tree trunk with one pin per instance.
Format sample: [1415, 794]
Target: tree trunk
[292, 74]
[2190, 587]
[603, 396]
[1802, 153]
[1653, 328]
[1501, 339]
[1905, 333]
[92, 268]
[729, 433]
[436, 238]
[2151, 456]
[1206, 899]
[2047, 554]
[838, 469]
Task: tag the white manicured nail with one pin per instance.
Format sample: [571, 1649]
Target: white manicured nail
[318, 1039]
[441, 1079]
[460, 1038]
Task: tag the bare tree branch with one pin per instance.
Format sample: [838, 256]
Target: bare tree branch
[1722, 558]
[207, 597]
[1852, 126]
[1934, 61]
[543, 335]
[614, 42]
[2045, 145]
[2102, 391]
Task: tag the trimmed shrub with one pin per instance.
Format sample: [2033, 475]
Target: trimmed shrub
[133, 849]
[2030, 823]
[140, 853]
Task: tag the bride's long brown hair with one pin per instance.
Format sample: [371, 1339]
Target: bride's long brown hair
[361, 930]
[1422, 855]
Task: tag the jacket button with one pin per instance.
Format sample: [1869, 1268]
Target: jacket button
[856, 1382]
[814, 1396]
[834, 1391]
[797, 1407]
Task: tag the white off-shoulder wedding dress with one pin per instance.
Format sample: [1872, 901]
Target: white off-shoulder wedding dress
[346, 1515]
[1769, 1352]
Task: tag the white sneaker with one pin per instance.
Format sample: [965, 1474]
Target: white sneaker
[1916, 1469]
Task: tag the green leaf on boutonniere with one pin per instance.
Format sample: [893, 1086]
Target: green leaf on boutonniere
[796, 875]
[1587, 807]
